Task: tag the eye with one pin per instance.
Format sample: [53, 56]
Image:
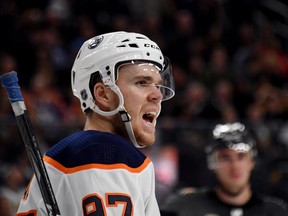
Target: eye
[242, 156]
[224, 158]
[142, 83]
[158, 86]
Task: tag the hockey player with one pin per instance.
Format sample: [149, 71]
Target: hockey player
[120, 79]
[232, 158]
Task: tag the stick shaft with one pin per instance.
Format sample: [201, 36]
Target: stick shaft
[10, 82]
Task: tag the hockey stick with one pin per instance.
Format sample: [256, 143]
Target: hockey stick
[10, 82]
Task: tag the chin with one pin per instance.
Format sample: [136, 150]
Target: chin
[143, 141]
[143, 137]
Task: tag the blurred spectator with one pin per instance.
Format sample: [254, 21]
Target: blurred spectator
[194, 102]
[231, 156]
[13, 188]
[5, 209]
[221, 100]
[7, 63]
[218, 67]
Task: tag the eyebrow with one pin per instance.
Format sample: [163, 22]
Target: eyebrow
[149, 78]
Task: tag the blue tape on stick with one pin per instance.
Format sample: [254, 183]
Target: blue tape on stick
[10, 82]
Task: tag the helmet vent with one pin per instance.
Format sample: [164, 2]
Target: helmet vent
[84, 94]
[126, 40]
[133, 45]
[73, 77]
[121, 46]
[141, 38]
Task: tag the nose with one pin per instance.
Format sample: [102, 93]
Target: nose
[156, 93]
[235, 163]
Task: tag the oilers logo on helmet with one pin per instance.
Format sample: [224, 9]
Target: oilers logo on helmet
[94, 42]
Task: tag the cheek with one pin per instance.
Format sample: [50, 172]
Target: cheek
[222, 176]
[250, 167]
[221, 172]
[132, 107]
[132, 99]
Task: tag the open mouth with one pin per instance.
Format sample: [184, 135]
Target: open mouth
[150, 117]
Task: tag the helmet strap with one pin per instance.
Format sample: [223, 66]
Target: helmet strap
[126, 118]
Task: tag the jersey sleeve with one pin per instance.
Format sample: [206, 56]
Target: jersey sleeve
[32, 203]
[151, 204]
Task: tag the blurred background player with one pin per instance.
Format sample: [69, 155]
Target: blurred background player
[120, 79]
[231, 156]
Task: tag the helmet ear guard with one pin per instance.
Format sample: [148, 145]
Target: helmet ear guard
[233, 136]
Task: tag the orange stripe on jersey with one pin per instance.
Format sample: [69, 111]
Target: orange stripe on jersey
[26, 193]
[66, 170]
[29, 213]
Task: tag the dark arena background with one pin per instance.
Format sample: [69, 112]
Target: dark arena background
[230, 62]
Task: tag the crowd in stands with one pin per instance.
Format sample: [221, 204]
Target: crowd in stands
[230, 62]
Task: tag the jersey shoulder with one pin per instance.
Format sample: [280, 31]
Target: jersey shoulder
[274, 202]
[94, 147]
[186, 198]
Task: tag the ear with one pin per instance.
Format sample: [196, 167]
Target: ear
[102, 95]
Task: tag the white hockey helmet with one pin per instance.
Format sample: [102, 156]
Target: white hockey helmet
[105, 54]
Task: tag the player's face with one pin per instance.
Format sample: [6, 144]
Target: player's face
[142, 99]
[233, 170]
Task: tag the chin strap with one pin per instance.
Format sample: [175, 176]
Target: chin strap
[126, 118]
